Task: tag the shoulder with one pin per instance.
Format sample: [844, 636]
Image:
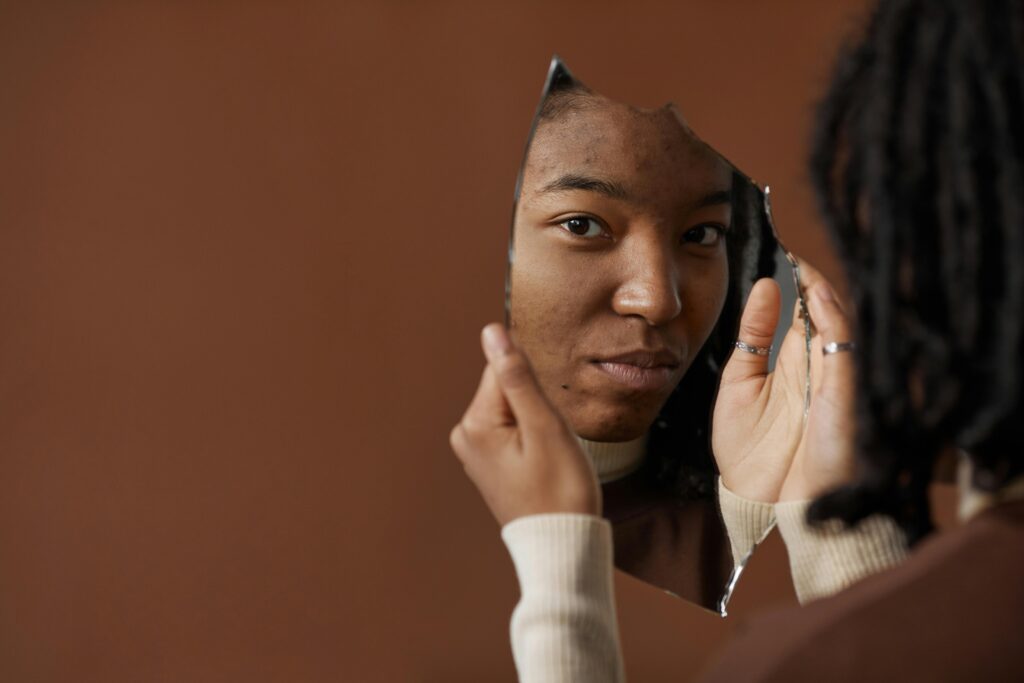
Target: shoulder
[952, 610]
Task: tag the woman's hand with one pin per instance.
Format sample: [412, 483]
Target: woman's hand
[825, 458]
[764, 449]
[515, 446]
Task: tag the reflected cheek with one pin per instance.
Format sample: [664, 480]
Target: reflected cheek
[704, 298]
[547, 314]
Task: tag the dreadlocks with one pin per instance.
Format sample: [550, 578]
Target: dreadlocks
[918, 162]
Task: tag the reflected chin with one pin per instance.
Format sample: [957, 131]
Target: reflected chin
[611, 425]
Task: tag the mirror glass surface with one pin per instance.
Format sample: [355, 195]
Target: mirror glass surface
[633, 248]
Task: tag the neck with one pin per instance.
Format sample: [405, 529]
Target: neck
[614, 460]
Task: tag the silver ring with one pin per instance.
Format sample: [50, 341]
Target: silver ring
[756, 350]
[836, 347]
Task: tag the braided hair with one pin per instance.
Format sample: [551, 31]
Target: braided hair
[918, 164]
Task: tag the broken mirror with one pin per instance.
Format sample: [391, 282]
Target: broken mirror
[633, 248]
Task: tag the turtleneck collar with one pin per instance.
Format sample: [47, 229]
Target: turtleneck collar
[615, 460]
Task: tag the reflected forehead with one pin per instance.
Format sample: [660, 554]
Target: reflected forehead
[569, 182]
[626, 147]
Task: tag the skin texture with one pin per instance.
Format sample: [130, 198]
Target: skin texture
[521, 455]
[648, 272]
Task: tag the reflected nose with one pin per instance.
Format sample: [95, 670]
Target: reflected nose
[650, 283]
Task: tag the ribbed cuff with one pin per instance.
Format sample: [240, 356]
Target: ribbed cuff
[564, 627]
[826, 560]
[747, 522]
[561, 553]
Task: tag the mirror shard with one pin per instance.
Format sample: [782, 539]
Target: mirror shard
[633, 249]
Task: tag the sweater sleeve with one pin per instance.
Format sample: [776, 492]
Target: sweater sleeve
[825, 560]
[564, 627]
[747, 522]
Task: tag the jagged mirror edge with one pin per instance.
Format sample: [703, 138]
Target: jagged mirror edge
[800, 294]
[558, 77]
[794, 265]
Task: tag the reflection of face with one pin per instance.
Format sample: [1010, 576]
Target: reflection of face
[619, 266]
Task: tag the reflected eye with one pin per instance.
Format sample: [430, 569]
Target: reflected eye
[583, 226]
[706, 235]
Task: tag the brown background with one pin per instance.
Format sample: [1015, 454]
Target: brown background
[245, 252]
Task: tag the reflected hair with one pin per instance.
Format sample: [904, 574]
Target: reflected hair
[566, 95]
[679, 457]
[917, 161]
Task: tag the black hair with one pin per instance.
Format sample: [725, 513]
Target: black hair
[565, 95]
[918, 163]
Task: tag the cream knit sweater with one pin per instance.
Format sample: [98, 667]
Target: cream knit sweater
[564, 627]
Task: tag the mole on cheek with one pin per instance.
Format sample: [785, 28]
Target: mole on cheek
[565, 386]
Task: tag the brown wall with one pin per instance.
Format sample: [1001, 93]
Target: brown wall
[245, 252]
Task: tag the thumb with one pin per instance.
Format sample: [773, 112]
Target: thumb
[757, 329]
[515, 377]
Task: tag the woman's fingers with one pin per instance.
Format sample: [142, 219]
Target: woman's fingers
[488, 407]
[810, 277]
[508, 396]
[515, 379]
[756, 332]
[838, 370]
[487, 412]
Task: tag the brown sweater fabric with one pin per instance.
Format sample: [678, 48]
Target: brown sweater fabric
[954, 611]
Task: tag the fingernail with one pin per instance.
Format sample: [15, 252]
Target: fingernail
[824, 293]
[496, 340]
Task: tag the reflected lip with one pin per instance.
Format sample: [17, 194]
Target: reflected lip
[644, 359]
[640, 370]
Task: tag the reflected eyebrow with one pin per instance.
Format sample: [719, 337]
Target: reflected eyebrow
[712, 198]
[574, 181]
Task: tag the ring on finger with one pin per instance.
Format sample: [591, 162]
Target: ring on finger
[750, 348]
[837, 347]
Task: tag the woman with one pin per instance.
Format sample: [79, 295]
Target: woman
[918, 161]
